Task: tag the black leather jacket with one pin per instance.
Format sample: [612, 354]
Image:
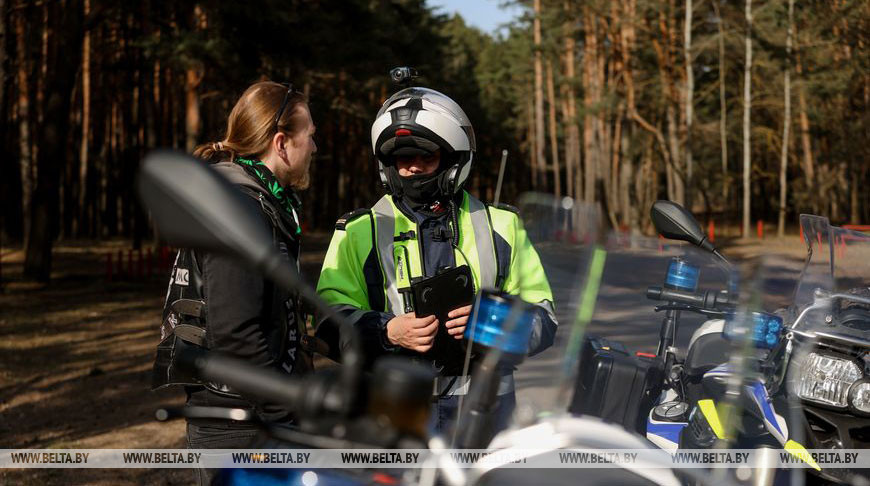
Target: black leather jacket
[244, 314]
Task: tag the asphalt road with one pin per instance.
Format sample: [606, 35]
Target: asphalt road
[622, 311]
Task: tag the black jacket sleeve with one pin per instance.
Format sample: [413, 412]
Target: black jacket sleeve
[369, 327]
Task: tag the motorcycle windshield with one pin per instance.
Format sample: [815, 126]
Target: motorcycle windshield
[537, 340]
[702, 382]
[662, 308]
[600, 284]
[823, 370]
[805, 390]
[566, 235]
[838, 260]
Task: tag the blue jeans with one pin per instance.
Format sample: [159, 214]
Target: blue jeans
[444, 410]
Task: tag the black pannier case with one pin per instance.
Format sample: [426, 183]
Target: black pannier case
[616, 386]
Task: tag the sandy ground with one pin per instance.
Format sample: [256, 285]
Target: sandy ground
[76, 355]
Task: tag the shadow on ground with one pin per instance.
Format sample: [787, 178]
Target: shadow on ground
[75, 363]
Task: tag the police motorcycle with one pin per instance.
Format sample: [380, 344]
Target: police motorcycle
[728, 389]
[344, 407]
[651, 392]
[803, 368]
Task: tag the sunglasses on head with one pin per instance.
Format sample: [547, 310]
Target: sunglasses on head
[284, 103]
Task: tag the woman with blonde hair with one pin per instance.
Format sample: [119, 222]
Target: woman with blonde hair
[266, 153]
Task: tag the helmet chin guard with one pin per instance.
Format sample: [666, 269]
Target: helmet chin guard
[421, 120]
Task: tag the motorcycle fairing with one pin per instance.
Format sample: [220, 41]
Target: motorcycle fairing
[665, 434]
[661, 433]
[801, 453]
[757, 391]
[774, 422]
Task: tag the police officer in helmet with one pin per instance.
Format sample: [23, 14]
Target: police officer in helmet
[426, 223]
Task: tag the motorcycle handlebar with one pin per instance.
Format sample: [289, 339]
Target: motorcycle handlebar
[706, 299]
[242, 376]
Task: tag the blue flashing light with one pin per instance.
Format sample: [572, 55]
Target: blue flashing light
[489, 318]
[682, 275]
[766, 329]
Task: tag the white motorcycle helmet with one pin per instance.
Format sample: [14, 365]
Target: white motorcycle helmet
[420, 121]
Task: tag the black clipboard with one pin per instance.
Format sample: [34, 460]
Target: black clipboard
[444, 292]
[438, 296]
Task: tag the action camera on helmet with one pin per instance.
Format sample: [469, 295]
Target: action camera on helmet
[403, 75]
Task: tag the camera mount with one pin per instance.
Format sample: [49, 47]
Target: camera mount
[403, 75]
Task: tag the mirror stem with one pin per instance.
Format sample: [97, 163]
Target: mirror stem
[722, 258]
[284, 275]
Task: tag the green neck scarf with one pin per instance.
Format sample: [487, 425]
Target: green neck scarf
[288, 200]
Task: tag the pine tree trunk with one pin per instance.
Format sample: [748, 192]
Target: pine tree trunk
[786, 125]
[65, 29]
[673, 170]
[590, 100]
[723, 107]
[747, 107]
[806, 144]
[78, 229]
[10, 198]
[24, 119]
[569, 123]
[540, 158]
[690, 94]
[625, 174]
[3, 55]
[554, 140]
[612, 183]
[566, 123]
[533, 144]
[677, 188]
[854, 206]
[626, 128]
[573, 171]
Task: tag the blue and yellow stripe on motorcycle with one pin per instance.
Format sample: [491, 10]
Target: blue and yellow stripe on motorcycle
[801, 453]
[665, 434]
[759, 395]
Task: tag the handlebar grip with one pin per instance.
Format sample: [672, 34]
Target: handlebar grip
[672, 295]
[241, 376]
[719, 300]
[710, 300]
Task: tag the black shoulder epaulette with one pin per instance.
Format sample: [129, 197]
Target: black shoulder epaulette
[348, 217]
[506, 207]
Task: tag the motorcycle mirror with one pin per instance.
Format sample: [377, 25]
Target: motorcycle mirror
[675, 223]
[194, 207]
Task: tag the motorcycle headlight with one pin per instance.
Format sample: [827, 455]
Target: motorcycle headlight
[826, 379]
[859, 396]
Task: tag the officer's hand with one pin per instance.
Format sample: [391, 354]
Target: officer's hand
[411, 332]
[458, 320]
